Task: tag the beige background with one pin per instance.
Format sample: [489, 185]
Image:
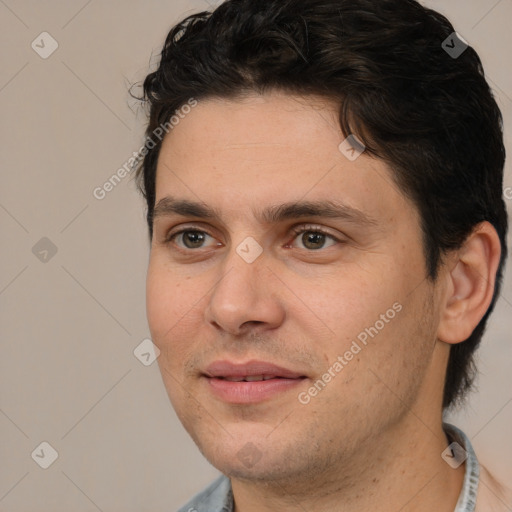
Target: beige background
[69, 325]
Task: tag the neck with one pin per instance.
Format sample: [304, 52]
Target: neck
[399, 469]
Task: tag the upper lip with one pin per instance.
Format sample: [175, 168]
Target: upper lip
[250, 368]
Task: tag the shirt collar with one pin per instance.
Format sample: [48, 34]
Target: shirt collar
[467, 497]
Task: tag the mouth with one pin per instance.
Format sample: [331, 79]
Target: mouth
[251, 382]
[250, 378]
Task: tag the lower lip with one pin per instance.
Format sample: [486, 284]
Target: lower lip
[250, 392]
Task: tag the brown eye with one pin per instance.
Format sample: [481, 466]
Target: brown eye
[190, 239]
[313, 239]
[193, 239]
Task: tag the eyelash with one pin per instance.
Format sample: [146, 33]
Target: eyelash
[295, 231]
[308, 228]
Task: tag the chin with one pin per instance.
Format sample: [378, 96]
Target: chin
[255, 461]
[259, 472]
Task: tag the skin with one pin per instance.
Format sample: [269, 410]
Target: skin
[372, 438]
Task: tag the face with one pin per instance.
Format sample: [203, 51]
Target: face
[277, 257]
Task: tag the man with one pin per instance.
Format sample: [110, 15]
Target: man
[328, 239]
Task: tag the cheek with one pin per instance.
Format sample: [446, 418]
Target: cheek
[351, 301]
[174, 315]
[166, 303]
[159, 304]
[372, 318]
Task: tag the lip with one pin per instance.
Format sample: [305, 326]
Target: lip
[243, 392]
[229, 369]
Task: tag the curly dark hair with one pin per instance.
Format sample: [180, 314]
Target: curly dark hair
[430, 115]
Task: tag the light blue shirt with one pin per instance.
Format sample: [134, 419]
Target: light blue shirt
[218, 497]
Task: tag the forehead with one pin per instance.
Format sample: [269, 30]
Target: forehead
[271, 149]
[275, 118]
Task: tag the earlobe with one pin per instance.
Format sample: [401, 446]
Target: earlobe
[471, 279]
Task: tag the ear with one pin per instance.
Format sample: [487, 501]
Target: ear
[471, 277]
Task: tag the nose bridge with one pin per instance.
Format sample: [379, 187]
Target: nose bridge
[240, 284]
[243, 293]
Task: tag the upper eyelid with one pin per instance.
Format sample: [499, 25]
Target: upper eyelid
[169, 233]
[297, 227]
[311, 227]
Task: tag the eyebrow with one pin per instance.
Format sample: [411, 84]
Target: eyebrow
[168, 206]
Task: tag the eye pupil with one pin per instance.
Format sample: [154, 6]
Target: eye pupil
[193, 239]
[313, 240]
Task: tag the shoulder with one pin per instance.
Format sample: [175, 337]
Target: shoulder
[492, 495]
[216, 497]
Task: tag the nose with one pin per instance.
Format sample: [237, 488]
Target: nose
[245, 297]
